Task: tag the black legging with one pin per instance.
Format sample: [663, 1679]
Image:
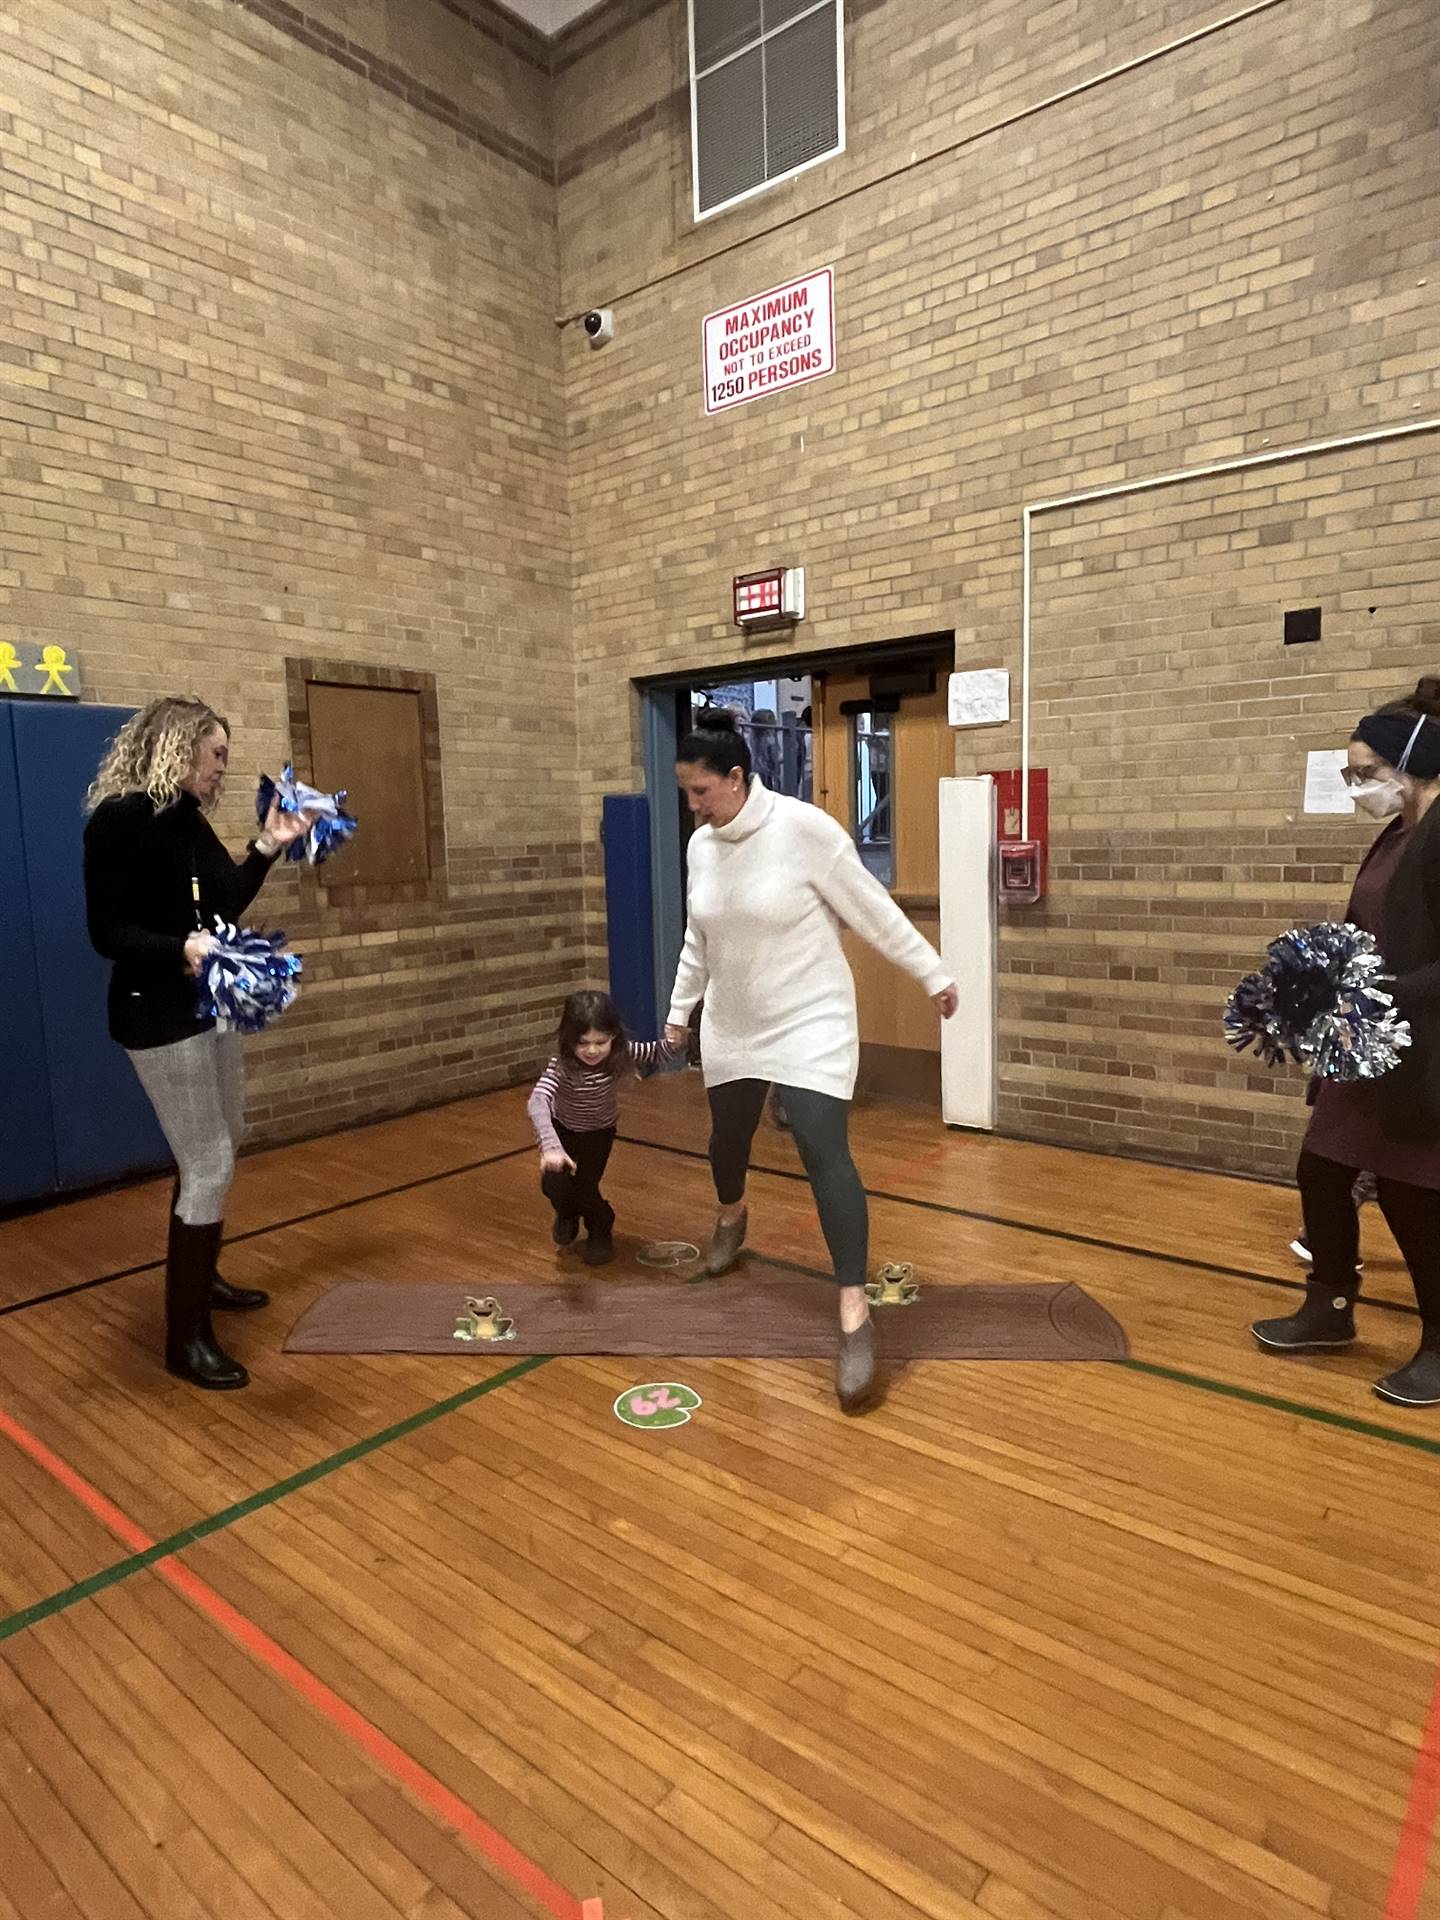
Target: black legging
[577, 1196]
[821, 1126]
[1332, 1227]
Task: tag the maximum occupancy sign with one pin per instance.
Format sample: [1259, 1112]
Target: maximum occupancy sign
[770, 341]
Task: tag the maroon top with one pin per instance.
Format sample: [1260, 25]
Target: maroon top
[1347, 1124]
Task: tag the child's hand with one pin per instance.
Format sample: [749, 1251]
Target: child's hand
[677, 1036]
[557, 1163]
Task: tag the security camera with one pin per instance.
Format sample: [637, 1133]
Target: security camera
[599, 326]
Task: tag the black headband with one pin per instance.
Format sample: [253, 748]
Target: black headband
[1409, 742]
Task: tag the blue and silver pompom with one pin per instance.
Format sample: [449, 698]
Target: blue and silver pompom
[330, 826]
[246, 979]
[1318, 1001]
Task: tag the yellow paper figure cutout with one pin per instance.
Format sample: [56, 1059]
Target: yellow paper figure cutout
[55, 666]
[9, 660]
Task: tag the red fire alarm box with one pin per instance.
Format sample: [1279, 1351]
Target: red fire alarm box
[1023, 858]
[1020, 872]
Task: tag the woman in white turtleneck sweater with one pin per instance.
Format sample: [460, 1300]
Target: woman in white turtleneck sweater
[772, 883]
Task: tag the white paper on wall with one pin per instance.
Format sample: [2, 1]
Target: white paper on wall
[980, 698]
[1325, 791]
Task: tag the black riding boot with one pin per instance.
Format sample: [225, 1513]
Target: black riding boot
[223, 1297]
[190, 1349]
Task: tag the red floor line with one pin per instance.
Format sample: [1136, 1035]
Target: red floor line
[107, 1514]
[422, 1784]
[1417, 1834]
[380, 1748]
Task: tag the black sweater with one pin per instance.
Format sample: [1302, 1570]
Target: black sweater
[140, 866]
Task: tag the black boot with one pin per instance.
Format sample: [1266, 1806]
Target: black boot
[599, 1247]
[223, 1297]
[227, 1299]
[1417, 1383]
[190, 1350]
[559, 1189]
[1327, 1319]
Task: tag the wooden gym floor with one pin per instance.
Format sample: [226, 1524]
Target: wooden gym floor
[438, 1637]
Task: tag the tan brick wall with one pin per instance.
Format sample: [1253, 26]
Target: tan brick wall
[1176, 727]
[1229, 247]
[278, 378]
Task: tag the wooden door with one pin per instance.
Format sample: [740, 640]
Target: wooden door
[881, 775]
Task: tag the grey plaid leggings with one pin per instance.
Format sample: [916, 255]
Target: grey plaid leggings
[197, 1088]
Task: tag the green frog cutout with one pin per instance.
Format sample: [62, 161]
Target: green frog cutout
[894, 1285]
[483, 1320]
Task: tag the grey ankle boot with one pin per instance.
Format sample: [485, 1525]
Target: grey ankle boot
[724, 1248]
[856, 1368]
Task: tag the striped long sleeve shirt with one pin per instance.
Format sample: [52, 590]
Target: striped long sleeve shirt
[587, 1099]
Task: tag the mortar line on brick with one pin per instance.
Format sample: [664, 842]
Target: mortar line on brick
[402, 86]
[1002, 125]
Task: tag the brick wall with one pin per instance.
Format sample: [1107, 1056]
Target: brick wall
[1226, 248]
[279, 379]
[1176, 725]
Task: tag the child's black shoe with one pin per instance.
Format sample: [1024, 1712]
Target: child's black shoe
[566, 1230]
[598, 1251]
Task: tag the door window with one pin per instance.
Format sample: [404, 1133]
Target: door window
[872, 813]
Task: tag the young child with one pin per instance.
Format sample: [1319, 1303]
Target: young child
[575, 1110]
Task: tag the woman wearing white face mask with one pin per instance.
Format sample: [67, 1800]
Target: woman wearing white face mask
[1389, 1126]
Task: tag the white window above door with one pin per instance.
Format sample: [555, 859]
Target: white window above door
[767, 94]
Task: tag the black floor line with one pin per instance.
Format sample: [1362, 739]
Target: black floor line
[779, 1173]
[275, 1226]
[1044, 1233]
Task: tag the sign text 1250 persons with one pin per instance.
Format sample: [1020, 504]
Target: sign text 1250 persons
[771, 341]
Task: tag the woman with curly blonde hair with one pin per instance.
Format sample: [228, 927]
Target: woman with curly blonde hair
[156, 876]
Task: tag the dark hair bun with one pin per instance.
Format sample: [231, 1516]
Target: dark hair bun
[1426, 697]
[721, 720]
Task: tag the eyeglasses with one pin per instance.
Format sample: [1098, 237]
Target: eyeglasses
[1360, 776]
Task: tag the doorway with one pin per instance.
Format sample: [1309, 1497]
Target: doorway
[772, 717]
[883, 745]
[863, 734]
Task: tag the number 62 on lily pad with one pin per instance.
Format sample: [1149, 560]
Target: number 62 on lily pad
[660, 1404]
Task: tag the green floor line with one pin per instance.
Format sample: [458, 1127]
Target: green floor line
[253, 1503]
[1320, 1415]
[216, 1522]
